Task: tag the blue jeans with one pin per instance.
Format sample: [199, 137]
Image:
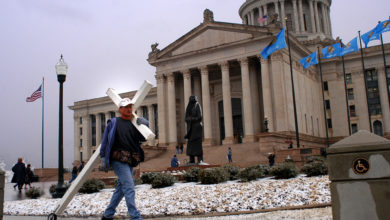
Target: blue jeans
[124, 188]
[74, 176]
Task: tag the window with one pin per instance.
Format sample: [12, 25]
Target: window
[93, 129]
[350, 94]
[354, 128]
[372, 93]
[145, 112]
[81, 142]
[102, 123]
[378, 128]
[155, 111]
[326, 86]
[329, 123]
[352, 111]
[375, 109]
[81, 120]
[373, 99]
[81, 131]
[372, 75]
[348, 78]
[327, 104]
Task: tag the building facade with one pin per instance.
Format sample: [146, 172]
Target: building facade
[247, 99]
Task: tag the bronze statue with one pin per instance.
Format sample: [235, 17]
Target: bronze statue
[193, 119]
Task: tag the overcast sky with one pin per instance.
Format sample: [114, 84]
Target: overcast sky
[105, 44]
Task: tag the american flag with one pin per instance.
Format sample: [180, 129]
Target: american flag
[36, 95]
[262, 19]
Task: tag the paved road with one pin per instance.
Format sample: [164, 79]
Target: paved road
[11, 194]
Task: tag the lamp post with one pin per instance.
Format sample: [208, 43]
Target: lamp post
[61, 69]
[266, 123]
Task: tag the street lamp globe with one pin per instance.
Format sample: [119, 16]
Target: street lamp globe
[61, 69]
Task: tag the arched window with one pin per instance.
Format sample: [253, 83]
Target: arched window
[378, 128]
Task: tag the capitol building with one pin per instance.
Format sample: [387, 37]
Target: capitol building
[246, 99]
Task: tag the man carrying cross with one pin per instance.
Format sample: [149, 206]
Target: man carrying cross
[121, 149]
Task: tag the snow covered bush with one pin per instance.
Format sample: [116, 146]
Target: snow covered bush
[213, 175]
[284, 170]
[34, 192]
[52, 188]
[315, 166]
[232, 171]
[192, 174]
[162, 180]
[92, 186]
[251, 173]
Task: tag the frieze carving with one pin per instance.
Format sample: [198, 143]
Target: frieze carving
[159, 78]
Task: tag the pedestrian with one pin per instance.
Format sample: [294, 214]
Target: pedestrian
[74, 172]
[121, 149]
[19, 170]
[181, 148]
[229, 155]
[174, 161]
[29, 176]
[177, 149]
[271, 159]
[81, 166]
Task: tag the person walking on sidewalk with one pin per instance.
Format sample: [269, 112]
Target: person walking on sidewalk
[229, 155]
[121, 149]
[19, 177]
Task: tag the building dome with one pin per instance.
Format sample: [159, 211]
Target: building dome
[310, 18]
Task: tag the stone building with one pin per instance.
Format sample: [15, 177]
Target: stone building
[246, 99]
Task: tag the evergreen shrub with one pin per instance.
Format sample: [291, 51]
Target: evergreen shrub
[232, 171]
[147, 178]
[315, 166]
[284, 170]
[192, 175]
[162, 180]
[92, 186]
[251, 173]
[34, 192]
[213, 175]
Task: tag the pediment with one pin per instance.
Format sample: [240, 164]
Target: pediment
[210, 38]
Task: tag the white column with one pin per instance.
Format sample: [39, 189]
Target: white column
[206, 106]
[172, 110]
[246, 100]
[324, 20]
[265, 13]
[312, 20]
[328, 19]
[383, 93]
[151, 123]
[301, 16]
[267, 94]
[187, 87]
[250, 17]
[318, 28]
[227, 104]
[98, 129]
[296, 20]
[276, 4]
[161, 108]
[283, 13]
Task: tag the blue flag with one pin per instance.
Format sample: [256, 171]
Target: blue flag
[382, 27]
[309, 60]
[279, 42]
[351, 46]
[331, 51]
[369, 36]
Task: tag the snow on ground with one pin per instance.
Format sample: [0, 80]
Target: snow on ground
[191, 198]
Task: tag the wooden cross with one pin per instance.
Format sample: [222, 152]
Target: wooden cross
[94, 160]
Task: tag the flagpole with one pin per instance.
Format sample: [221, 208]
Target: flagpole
[384, 64]
[323, 99]
[293, 90]
[365, 81]
[346, 94]
[43, 121]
